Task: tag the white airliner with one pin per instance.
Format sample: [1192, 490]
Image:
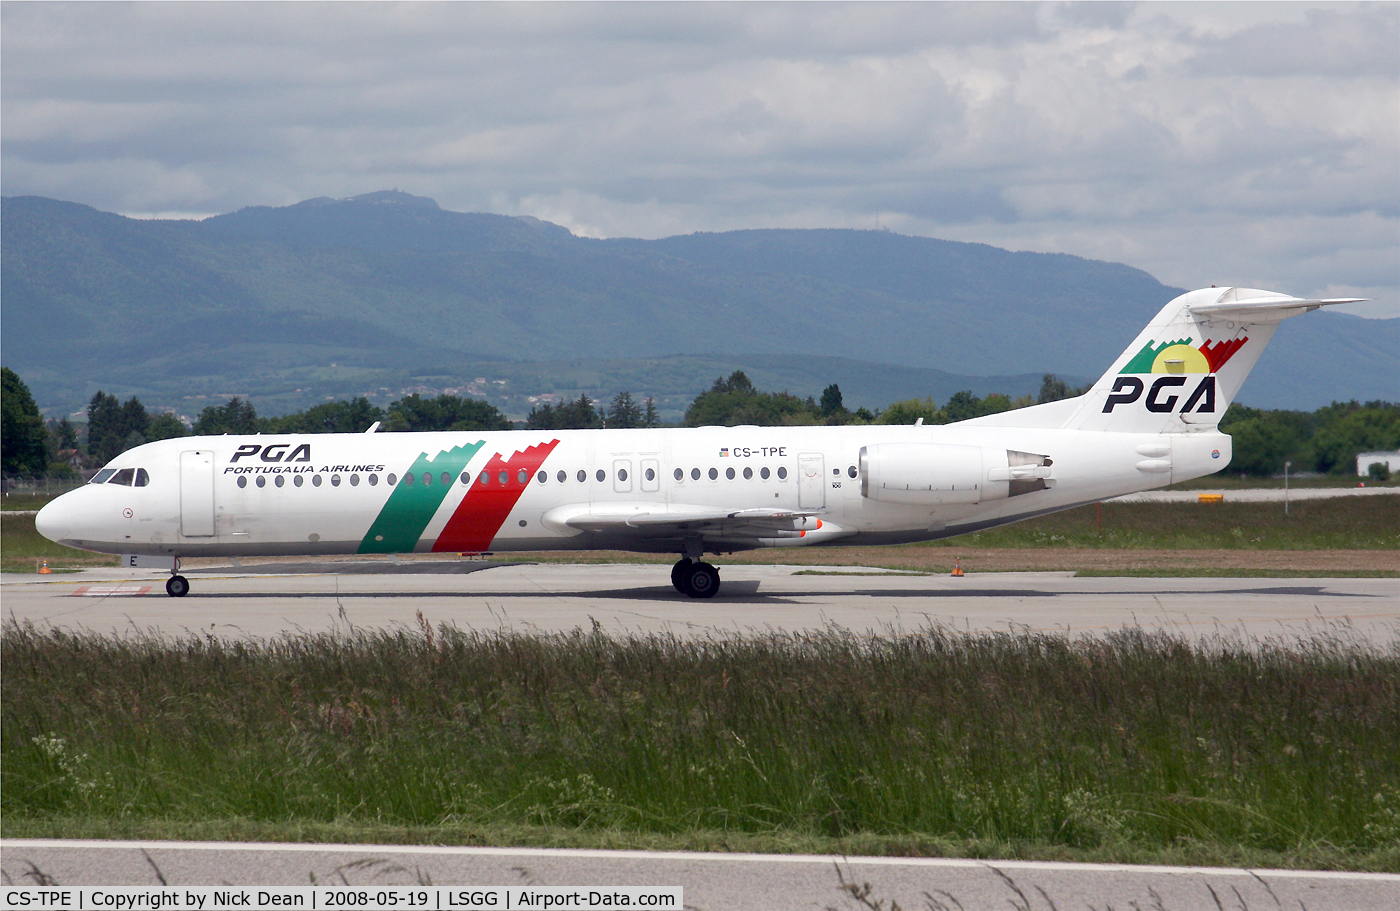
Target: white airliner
[1151, 420]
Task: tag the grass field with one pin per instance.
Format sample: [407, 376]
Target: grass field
[21, 548]
[1134, 747]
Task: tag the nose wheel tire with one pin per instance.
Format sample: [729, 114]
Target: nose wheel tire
[177, 586]
[701, 580]
[678, 573]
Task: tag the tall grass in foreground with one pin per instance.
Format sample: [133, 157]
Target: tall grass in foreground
[1133, 738]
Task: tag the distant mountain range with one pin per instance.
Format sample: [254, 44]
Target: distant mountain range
[388, 291]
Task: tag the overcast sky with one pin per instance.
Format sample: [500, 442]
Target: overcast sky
[1254, 144]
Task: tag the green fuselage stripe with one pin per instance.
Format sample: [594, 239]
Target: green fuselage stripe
[411, 506]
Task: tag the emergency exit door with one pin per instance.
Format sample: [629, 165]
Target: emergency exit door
[811, 480]
[197, 494]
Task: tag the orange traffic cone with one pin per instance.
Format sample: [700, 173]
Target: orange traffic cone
[44, 568]
[957, 566]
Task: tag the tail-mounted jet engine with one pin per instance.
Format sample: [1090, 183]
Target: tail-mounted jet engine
[934, 473]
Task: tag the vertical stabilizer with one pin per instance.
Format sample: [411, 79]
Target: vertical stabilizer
[1185, 368]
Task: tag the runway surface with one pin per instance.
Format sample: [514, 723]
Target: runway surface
[638, 598]
[711, 881]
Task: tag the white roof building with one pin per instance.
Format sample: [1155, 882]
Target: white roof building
[1364, 461]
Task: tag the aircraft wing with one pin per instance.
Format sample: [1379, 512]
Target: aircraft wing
[661, 519]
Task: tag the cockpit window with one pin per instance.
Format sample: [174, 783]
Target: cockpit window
[123, 477]
[102, 476]
[142, 479]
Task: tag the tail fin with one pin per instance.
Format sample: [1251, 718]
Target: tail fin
[1186, 367]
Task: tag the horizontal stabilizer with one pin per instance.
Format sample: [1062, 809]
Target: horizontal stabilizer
[1267, 308]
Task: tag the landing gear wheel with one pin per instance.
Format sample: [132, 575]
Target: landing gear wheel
[678, 573]
[701, 580]
[177, 586]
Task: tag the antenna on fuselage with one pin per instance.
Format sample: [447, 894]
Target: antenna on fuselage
[373, 427]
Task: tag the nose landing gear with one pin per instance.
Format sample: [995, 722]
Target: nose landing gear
[695, 578]
[177, 586]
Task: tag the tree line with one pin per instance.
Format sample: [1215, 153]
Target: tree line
[33, 446]
[735, 400]
[1326, 440]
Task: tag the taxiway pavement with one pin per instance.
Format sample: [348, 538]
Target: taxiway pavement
[1255, 494]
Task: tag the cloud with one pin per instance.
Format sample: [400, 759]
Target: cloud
[1200, 142]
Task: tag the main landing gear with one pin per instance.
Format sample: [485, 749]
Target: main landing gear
[695, 578]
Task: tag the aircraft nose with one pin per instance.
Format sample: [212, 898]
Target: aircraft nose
[52, 521]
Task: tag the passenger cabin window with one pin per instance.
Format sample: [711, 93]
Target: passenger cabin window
[102, 476]
[680, 473]
[123, 477]
[714, 473]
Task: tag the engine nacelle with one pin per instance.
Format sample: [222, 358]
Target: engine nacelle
[922, 473]
[933, 473]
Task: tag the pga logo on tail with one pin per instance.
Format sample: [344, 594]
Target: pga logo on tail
[1128, 389]
[1176, 359]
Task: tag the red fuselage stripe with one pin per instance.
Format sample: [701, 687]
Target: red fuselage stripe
[484, 509]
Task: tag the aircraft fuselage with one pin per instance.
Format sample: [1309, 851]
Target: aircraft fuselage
[472, 492]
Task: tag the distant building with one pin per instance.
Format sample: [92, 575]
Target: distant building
[1365, 460]
[70, 457]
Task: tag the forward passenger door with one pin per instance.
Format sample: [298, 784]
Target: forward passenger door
[197, 494]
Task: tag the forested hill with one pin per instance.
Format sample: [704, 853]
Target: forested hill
[391, 282]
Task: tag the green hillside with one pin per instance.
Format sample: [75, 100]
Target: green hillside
[388, 291]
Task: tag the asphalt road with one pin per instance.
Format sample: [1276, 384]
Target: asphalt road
[711, 881]
[638, 598]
